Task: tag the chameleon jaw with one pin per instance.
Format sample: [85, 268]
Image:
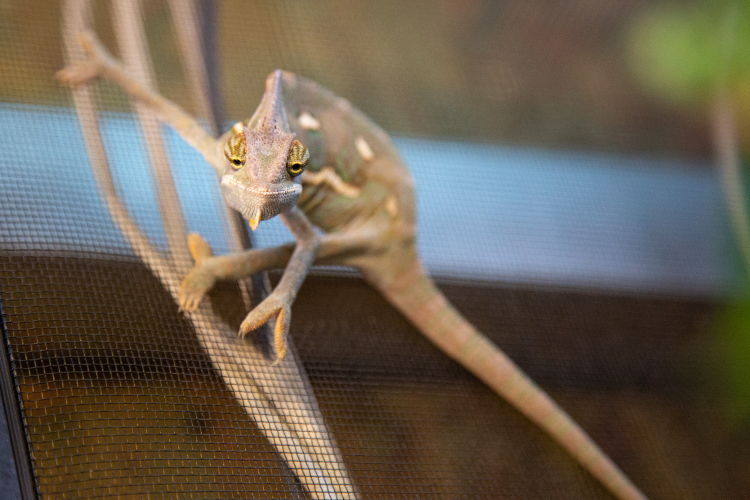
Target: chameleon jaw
[257, 203]
[255, 218]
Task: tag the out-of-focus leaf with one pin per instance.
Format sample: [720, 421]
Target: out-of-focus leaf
[680, 53]
[734, 342]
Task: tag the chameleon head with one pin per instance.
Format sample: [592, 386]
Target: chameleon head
[264, 160]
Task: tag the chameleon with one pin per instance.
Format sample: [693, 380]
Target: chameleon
[338, 183]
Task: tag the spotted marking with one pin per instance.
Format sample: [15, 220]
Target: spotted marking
[308, 121]
[343, 105]
[391, 206]
[290, 79]
[364, 149]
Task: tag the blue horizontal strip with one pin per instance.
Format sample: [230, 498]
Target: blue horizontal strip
[486, 212]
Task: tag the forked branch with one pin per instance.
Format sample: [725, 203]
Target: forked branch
[277, 398]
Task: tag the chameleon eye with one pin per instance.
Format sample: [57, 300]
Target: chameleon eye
[298, 158]
[235, 150]
[237, 163]
[295, 169]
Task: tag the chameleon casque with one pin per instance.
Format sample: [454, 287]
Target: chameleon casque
[311, 158]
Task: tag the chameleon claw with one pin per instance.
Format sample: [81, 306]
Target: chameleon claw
[265, 311]
[88, 41]
[78, 72]
[280, 332]
[187, 301]
[256, 318]
[198, 247]
[199, 280]
[86, 69]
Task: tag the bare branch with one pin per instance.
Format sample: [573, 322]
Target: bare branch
[278, 398]
[132, 42]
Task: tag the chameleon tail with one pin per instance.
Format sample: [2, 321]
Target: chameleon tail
[413, 293]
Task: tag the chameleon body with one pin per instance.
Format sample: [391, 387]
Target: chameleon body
[360, 194]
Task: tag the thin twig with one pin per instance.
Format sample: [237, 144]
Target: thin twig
[726, 145]
[132, 43]
[726, 151]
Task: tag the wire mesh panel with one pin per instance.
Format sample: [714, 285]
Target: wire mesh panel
[118, 400]
[598, 269]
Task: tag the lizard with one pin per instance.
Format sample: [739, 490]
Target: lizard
[338, 183]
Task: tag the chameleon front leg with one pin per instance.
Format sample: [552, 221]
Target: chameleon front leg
[340, 248]
[101, 63]
[279, 302]
[209, 268]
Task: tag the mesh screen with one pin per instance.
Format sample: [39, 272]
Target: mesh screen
[590, 275]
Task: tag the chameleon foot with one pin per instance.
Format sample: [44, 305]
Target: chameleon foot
[78, 73]
[84, 70]
[200, 279]
[273, 305]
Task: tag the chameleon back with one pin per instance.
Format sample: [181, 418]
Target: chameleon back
[338, 135]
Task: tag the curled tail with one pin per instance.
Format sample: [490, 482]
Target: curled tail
[413, 293]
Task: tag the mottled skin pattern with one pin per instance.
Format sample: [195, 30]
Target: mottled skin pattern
[360, 194]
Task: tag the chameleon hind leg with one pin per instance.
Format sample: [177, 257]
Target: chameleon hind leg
[100, 63]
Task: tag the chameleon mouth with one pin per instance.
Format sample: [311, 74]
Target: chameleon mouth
[258, 203]
[230, 181]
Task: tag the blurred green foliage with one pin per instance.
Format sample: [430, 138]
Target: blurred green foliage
[733, 342]
[683, 54]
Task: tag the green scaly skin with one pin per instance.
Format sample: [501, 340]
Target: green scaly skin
[370, 225]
